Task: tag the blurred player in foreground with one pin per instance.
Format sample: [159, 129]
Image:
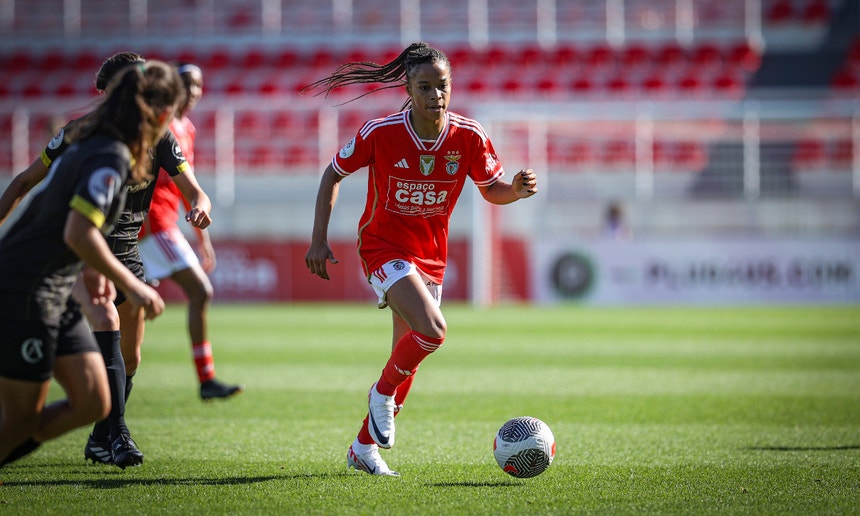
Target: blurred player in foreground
[42, 249]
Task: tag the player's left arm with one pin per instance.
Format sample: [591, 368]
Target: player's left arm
[524, 184]
[201, 207]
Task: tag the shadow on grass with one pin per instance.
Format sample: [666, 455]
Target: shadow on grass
[805, 448]
[115, 483]
[475, 484]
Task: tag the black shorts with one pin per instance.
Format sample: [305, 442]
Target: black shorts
[73, 340]
[128, 253]
[29, 349]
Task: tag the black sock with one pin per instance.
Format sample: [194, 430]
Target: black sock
[21, 450]
[128, 385]
[110, 428]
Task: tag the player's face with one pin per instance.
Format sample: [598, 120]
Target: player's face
[430, 90]
[194, 88]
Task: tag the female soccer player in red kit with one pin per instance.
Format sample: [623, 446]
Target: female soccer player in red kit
[418, 160]
[167, 254]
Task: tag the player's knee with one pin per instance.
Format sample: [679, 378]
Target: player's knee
[94, 408]
[102, 317]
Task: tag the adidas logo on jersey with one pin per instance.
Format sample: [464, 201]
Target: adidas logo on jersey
[401, 164]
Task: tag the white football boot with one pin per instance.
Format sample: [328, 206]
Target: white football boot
[365, 457]
[380, 421]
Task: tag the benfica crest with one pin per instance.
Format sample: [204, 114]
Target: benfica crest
[452, 165]
[428, 161]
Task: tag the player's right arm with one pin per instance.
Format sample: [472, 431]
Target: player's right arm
[320, 252]
[20, 186]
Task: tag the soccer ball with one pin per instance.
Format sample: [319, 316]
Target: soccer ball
[524, 447]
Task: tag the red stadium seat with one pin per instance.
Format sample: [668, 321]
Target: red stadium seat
[779, 12]
[745, 57]
[670, 56]
[689, 155]
[217, 60]
[564, 55]
[728, 84]
[841, 154]
[86, 61]
[655, 86]
[618, 85]
[252, 58]
[33, 90]
[285, 58]
[845, 80]
[816, 12]
[809, 154]
[582, 85]
[707, 56]
[19, 61]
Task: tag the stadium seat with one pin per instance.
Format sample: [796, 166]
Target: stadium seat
[809, 154]
[582, 85]
[19, 61]
[779, 12]
[670, 56]
[564, 55]
[816, 12]
[841, 154]
[744, 56]
[215, 61]
[86, 61]
[845, 80]
[655, 86]
[689, 155]
[706, 56]
[727, 84]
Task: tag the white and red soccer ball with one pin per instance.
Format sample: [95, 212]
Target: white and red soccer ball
[524, 447]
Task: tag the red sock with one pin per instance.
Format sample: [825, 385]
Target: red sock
[399, 398]
[402, 392]
[364, 433]
[410, 350]
[203, 361]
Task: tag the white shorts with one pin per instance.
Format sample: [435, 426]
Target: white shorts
[382, 278]
[164, 253]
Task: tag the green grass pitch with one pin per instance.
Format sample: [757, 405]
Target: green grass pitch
[752, 410]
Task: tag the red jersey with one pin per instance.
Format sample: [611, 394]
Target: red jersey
[413, 186]
[164, 210]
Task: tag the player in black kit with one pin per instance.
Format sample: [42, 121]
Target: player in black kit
[43, 247]
[110, 441]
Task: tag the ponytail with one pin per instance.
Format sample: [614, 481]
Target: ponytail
[133, 110]
[396, 73]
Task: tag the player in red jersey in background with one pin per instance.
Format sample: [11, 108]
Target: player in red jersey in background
[166, 253]
[418, 161]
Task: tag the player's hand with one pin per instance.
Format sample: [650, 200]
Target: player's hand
[317, 256]
[198, 218]
[92, 288]
[146, 297]
[525, 183]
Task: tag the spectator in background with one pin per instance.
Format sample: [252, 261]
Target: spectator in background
[167, 254]
[614, 223]
[43, 246]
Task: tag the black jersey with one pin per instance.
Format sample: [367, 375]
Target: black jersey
[166, 155]
[37, 268]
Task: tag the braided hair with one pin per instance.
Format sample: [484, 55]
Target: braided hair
[112, 65]
[396, 73]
